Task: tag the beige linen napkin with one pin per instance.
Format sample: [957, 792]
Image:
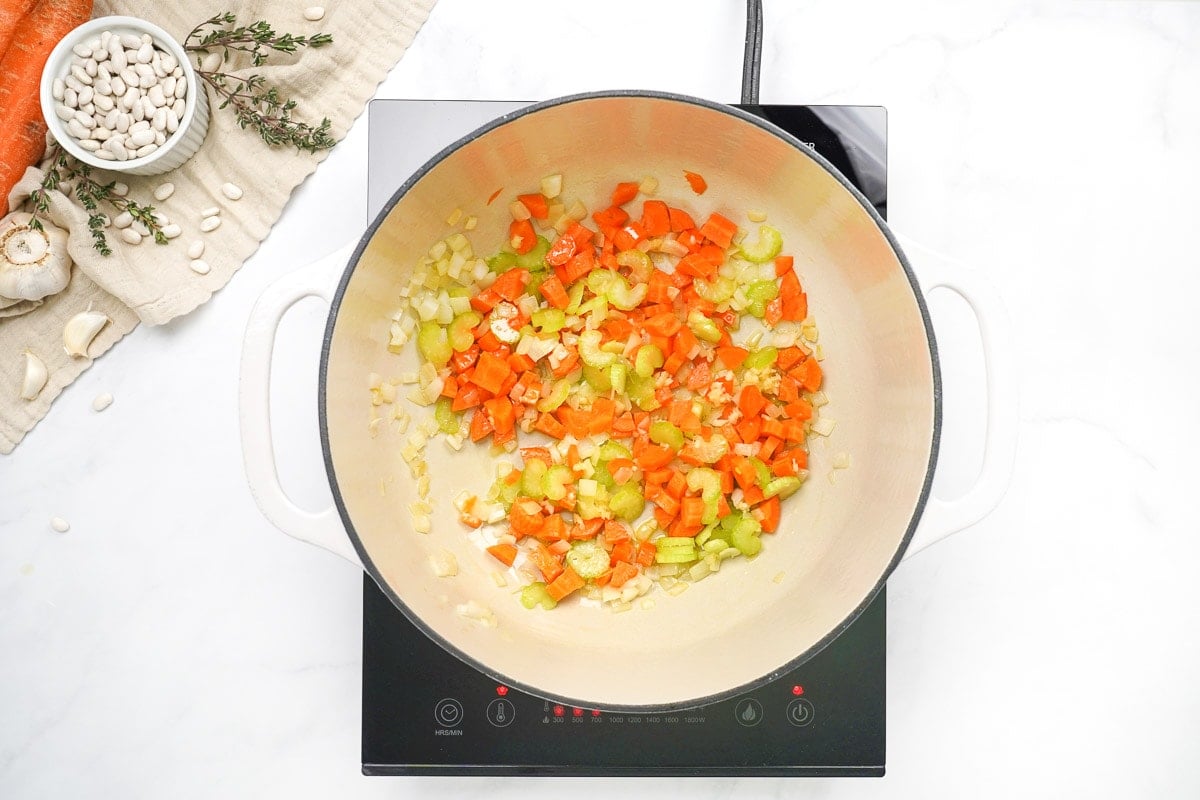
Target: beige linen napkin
[152, 283]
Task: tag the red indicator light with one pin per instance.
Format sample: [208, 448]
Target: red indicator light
[596, 712]
[577, 712]
[797, 690]
[502, 690]
[558, 711]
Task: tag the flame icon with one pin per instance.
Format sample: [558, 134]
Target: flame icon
[748, 713]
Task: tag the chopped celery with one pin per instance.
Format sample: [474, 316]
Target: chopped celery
[617, 374]
[743, 534]
[590, 352]
[535, 594]
[460, 335]
[705, 329]
[589, 559]
[664, 432]
[599, 379]
[555, 484]
[649, 358]
[711, 449]
[758, 359]
[785, 487]
[639, 264]
[674, 555]
[718, 291]
[708, 483]
[505, 492]
[536, 257]
[433, 344]
[502, 261]
[627, 503]
[640, 390]
[535, 282]
[615, 290]
[591, 507]
[762, 472]
[758, 294]
[769, 244]
[597, 307]
[532, 479]
[671, 542]
[548, 320]
[558, 395]
[610, 450]
[445, 417]
[575, 297]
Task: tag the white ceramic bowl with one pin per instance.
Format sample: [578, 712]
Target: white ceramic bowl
[178, 148]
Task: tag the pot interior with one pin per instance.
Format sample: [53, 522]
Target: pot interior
[840, 535]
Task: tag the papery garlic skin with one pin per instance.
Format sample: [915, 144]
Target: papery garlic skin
[36, 376]
[80, 330]
[33, 263]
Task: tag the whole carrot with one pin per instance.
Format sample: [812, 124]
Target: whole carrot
[34, 36]
[11, 12]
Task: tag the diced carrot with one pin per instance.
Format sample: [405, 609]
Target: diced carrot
[511, 285]
[576, 422]
[505, 553]
[485, 301]
[773, 312]
[800, 409]
[772, 427]
[732, 357]
[481, 426]
[749, 428]
[691, 239]
[602, 415]
[554, 529]
[769, 445]
[696, 181]
[662, 325]
[654, 457]
[617, 328]
[751, 402]
[539, 207]
[490, 372]
[602, 579]
[628, 236]
[518, 362]
[611, 217]
[658, 288]
[680, 220]
[811, 375]
[580, 233]
[713, 254]
[789, 389]
[561, 250]
[622, 573]
[783, 265]
[795, 302]
[465, 359]
[548, 563]
[526, 517]
[615, 531]
[468, 396]
[768, 513]
[580, 264]
[677, 485]
[569, 581]
[450, 387]
[679, 529]
[567, 365]
[691, 511]
[502, 414]
[789, 357]
[645, 553]
[723, 509]
[521, 236]
[701, 377]
[548, 425]
[744, 473]
[753, 495]
[696, 265]
[719, 230]
[656, 218]
[625, 191]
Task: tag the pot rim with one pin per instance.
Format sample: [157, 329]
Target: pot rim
[331, 472]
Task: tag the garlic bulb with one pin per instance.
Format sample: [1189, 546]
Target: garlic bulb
[36, 376]
[33, 263]
[80, 330]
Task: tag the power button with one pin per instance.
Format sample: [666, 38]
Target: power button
[800, 712]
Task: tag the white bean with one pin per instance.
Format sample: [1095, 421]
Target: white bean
[196, 249]
[89, 109]
[172, 121]
[81, 50]
[232, 191]
[211, 211]
[110, 119]
[131, 98]
[180, 87]
[160, 138]
[164, 190]
[148, 107]
[146, 81]
[172, 231]
[130, 42]
[314, 13]
[140, 227]
[169, 63]
[210, 224]
[104, 154]
[104, 72]
[144, 53]
[76, 129]
[80, 75]
[120, 189]
[70, 98]
[199, 266]
[144, 70]
[118, 86]
[116, 57]
[179, 106]
[131, 236]
[156, 64]
[177, 73]
[63, 112]
[91, 145]
[73, 83]
[146, 150]
[160, 218]
[117, 147]
[156, 95]
[146, 38]
[130, 76]
[137, 112]
[100, 54]
[168, 86]
[103, 86]
[100, 133]
[159, 120]
[58, 87]
[140, 125]
[59, 525]
[86, 95]
[91, 67]
[141, 138]
[123, 121]
[104, 103]
[85, 120]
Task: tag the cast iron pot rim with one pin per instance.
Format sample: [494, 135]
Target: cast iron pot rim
[331, 473]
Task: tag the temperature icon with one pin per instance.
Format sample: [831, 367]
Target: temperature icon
[501, 712]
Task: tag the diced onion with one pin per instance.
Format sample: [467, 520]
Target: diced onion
[552, 186]
[823, 426]
[518, 210]
[444, 564]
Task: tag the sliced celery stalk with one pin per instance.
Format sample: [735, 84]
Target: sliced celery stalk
[785, 487]
[536, 257]
[759, 294]
[640, 390]
[599, 379]
[617, 374]
[555, 484]
[743, 534]
[460, 336]
[649, 358]
[758, 359]
[675, 555]
[762, 472]
[639, 264]
[558, 395]
[548, 320]
[533, 478]
[718, 291]
[589, 559]
[575, 297]
[433, 344]
[590, 352]
[535, 595]
[664, 432]
[502, 261]
[769, 245]
[708, 483]
[445, 417]
[610, 450]
[627, 503]
[705, 329]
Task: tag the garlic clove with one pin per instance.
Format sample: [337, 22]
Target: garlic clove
[36, 376]
[80, 330]
[33, 263]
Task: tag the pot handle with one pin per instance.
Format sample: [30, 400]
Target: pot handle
[322, 528]
[944, 517]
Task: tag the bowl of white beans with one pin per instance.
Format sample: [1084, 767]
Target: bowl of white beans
[118, 93]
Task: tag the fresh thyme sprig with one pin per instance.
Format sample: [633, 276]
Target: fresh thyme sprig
[63, 168]
[254, 104]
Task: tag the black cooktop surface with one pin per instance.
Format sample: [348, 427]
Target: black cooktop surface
[427, 712]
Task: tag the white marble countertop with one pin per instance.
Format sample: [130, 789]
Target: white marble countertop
[174, 644]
